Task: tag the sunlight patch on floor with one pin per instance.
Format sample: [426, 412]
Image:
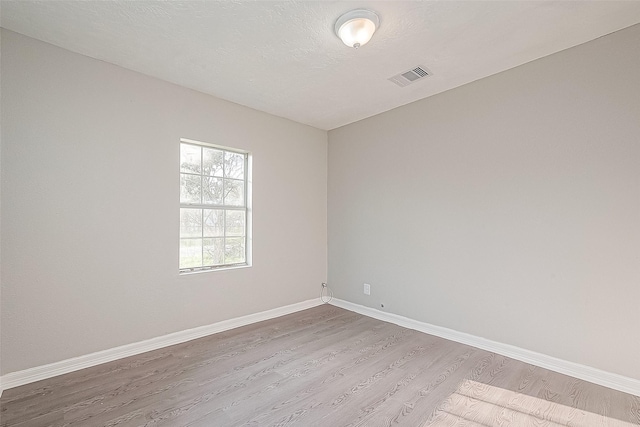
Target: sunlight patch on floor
[483, 405]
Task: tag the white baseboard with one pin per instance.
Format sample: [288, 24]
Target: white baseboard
[15, 379]
[587, 373]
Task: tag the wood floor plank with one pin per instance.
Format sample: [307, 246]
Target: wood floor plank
[239, 388]
[340, 396]
[301, 372]
[319, 367]
[217, 385]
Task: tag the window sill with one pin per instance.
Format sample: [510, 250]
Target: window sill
[213, 269]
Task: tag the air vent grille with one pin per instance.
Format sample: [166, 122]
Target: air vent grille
[410, 76]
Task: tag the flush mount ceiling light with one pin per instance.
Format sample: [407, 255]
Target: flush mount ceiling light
[356, 28]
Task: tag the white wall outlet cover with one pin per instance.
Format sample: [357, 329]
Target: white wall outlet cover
[367, 289]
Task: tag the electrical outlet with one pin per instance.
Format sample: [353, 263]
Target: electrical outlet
[367, 289]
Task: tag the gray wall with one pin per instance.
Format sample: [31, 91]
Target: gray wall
[0, 207]
[508, 208]
[90, 217]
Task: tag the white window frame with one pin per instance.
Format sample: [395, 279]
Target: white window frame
[247, 208]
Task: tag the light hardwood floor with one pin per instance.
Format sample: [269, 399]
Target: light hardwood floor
[320, 367]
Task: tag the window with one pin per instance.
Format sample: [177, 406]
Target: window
[214, 218]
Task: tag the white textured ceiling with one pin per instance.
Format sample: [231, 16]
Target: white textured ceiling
[283, 57]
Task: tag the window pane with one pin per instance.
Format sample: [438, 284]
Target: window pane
[233, 192]
[235, 223]
[213, 252]
[213, 223]
[190, 253]
[212, 191]
[212, 162]
[190, 188]
[234, 250]
[190, 222]
[189, 158]
[233, 165]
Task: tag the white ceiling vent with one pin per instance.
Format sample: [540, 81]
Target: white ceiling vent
[410, 76]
